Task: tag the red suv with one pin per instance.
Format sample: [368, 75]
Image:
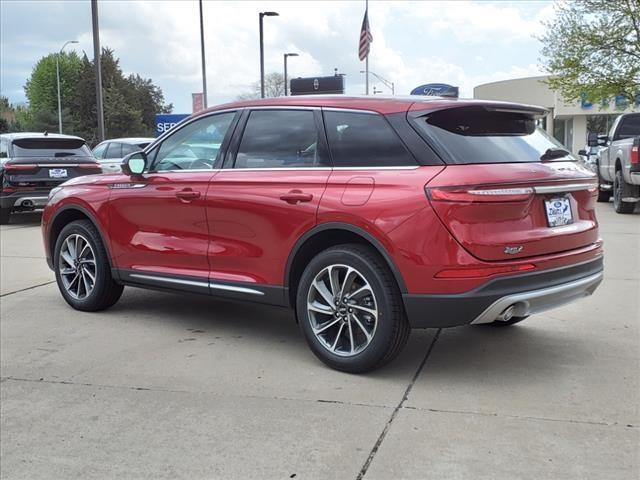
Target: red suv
[368, 216]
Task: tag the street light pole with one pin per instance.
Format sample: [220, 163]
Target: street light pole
[261, 15]
[286, 55]
[204, 68]
[388, 84]
[58, 82]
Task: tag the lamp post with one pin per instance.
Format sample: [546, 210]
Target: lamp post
[204, 68]
[389, 84]
[58, 81]
[261, 15]
[287, 55]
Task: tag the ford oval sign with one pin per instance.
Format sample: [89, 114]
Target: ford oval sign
[436, 90]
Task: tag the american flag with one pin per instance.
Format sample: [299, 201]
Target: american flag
[365, 37]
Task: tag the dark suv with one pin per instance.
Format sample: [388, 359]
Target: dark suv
[31, 164]
[368, 216]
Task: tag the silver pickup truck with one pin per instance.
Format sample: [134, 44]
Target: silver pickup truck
[618, 164]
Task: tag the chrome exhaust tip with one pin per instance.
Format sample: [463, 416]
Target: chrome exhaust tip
[507, 314]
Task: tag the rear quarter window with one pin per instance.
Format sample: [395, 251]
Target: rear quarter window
[364, 140]
[467, 135]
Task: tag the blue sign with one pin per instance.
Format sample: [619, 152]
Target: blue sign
[436, 89]
[166, 121]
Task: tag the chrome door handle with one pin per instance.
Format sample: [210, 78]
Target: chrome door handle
[295, 196]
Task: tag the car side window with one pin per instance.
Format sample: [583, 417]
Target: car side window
[280, 139]
[364, 140]
[114, 150]
[128, 148]
[4, 153]
[196, 146]
[100, 151]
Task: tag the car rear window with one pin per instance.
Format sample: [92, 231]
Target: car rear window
[629, 127]
[468, 135]
[50, 147]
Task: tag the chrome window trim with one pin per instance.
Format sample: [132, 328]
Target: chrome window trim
[351, 110]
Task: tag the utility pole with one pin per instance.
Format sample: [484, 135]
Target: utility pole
[98, 67]
[204, 68]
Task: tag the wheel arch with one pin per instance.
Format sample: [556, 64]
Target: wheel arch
[63, 217]
[328, 235]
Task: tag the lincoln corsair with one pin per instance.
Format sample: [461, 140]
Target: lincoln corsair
[367, 216]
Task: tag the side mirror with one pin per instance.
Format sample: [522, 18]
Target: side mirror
[582, 153]
[592, 139]
[134, 163]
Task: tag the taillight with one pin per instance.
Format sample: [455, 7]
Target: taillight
[479, 195]
[483, 272]
[634, 155]
[19, 168]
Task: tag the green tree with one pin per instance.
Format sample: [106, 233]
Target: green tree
[592, 49]
[41, 88]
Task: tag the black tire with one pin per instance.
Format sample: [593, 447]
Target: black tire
[392, 328]
[5, 215]
[508, 323]
[106, 292]
[603, 195]
[618, 204]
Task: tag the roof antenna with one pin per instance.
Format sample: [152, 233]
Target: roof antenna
[46, 133]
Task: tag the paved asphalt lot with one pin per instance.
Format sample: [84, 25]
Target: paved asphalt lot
[177, 386]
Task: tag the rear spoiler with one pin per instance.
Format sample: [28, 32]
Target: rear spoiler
[419, 109]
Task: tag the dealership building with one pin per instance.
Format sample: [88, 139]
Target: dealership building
[568, 122]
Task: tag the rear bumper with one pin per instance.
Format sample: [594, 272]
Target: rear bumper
[527, 293]
[27, 200]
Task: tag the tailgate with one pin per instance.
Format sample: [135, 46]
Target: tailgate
[516, 210]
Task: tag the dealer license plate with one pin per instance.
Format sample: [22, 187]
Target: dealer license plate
[558, 211]
[57, 173]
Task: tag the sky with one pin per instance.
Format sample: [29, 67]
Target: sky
[463, 43]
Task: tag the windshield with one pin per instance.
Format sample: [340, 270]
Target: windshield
[480, 135]
[50, 147]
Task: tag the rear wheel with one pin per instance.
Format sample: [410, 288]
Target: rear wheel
[350, 309]
[618, 188]
[5, 214]
[82, 268]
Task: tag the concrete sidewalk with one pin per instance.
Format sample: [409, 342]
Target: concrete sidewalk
[177, 386]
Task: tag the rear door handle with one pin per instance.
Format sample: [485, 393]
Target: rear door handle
[187, 194]
[295, 196]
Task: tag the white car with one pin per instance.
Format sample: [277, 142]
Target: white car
[111, 152]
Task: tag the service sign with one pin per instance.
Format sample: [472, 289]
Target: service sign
[166, 121]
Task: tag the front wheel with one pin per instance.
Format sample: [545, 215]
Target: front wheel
[618, 188]
[82, 268]
[350, 309]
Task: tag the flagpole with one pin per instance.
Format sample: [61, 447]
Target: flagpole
[367, 59]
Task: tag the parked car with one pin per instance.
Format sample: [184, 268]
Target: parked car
[368, 216]
[111, 152]
[589, 156]
[619, 164]
[31, 164]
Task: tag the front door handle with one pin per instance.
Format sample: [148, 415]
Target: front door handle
[295, 196]
[188, 195]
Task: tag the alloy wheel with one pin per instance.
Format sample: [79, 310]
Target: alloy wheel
[77, 266]
[342, 309]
